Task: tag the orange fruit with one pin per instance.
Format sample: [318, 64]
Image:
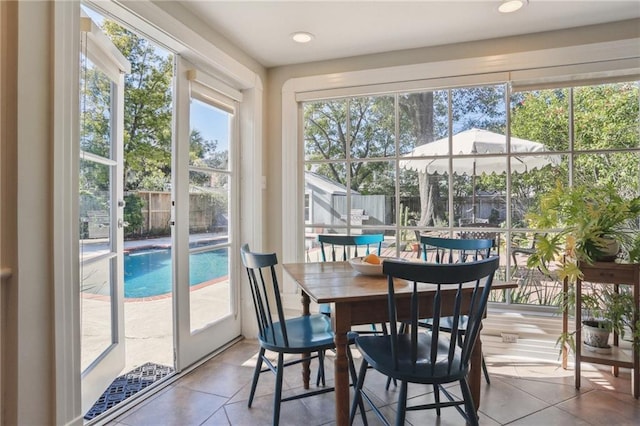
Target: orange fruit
[372, 258]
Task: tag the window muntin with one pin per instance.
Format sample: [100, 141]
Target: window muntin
[210, 205]
[511, 180]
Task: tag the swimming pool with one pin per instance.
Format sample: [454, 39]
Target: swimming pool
[148, 272]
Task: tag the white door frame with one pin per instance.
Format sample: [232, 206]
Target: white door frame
[191, 346]
[110, 363]
[178, 35]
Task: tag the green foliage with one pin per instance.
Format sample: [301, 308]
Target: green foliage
[612, 310]
[147, 115]
[587, 218]
[133, 214]
[370, 133]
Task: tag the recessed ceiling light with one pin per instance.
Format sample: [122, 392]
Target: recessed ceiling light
[509, 6]
[302, 37]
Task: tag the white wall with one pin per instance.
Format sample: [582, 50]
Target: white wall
[28, 367]
[8, 93]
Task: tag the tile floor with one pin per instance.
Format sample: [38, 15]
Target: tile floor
[523, 391]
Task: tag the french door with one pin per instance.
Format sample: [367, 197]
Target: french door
[101, 212]
[204, 212]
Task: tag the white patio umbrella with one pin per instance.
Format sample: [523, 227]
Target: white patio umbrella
[474, 145]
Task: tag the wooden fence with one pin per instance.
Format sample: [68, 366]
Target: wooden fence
[207, 212]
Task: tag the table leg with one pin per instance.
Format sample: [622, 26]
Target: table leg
[578, 335]
[475, 374]
[565, 322]
[341, 321]
[615, 370]
[306, 371]
[635, 373]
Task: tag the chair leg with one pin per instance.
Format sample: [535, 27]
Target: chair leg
[436, 397]
[354, 380]
[383, 326]
[485, 371]
[469, 406]
[277, 398]
[357, 398]
[402, 404]
[395, 383]
[484, 365]
[320, 377]
[256, 375]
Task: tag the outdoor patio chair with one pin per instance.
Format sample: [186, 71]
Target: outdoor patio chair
[528, 251]
[482, 235]
[304, 334]
[428, 357]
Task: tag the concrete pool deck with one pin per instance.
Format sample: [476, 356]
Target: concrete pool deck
[148, 321]
[148, 324]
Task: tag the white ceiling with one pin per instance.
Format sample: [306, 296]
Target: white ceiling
[358, 27]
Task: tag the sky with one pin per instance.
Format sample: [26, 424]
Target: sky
[211, 122]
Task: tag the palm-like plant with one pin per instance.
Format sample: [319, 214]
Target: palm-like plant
[586, 224]
[589, 221]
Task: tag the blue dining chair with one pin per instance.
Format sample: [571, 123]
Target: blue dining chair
[454, 250]
[428, 357]
[339, 247]
[299, 335]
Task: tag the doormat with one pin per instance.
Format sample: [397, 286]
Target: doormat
[127, 385]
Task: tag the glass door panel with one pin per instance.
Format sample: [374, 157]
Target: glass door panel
[102, 352]
[209, 295]
[97, 316]
[205, 213]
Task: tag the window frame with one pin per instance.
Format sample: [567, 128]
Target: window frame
[541, 66]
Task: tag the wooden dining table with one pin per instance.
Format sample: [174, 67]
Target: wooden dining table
[362, 299]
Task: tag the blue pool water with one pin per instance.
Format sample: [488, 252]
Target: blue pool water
[148, 272]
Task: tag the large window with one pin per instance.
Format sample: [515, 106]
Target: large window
[463, 161]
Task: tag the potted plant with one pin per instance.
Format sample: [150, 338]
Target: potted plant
[591, 223]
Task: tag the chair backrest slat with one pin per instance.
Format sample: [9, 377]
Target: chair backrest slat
[455, 249]
[336, 243]
[458, 250]
[452, 283]
[263, 282]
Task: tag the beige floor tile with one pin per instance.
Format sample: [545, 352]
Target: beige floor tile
[292, 413]
[551, 393]
[177, 406]
[218, 378]
[505, 403]
[448, 416]
[601, 407]
[219, 418]
[522, 392]
[551, 416]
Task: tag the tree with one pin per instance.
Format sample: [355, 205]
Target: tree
[605, 117]
[370, 131]
[147, 115]
[423, 117]
[204, 153]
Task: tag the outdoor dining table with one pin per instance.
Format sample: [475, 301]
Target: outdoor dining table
[362, 299]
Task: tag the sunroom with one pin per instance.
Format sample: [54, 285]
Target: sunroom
[336, 145]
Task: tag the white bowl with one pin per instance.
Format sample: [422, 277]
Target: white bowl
[366, 268]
